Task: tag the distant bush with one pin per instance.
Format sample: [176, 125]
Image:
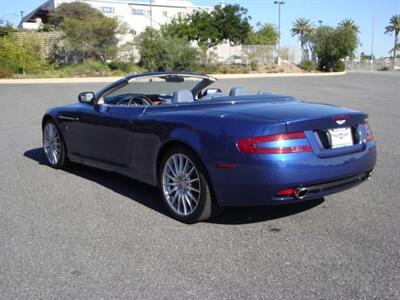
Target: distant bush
[166, 53]
[92, 68]
[254, 66]
[210, 68]
[18, 57]
[126, 67]
[307, 65]
[339, 66]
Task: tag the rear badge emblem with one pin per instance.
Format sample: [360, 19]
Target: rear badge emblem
[340, 122]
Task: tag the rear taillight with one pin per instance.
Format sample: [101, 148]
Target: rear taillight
[275, 144]
[367, 133]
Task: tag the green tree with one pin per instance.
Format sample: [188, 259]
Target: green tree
[302, 27]
[265, 35]
[346, 41]
[348, 24]
[210, 28]
[87, 32]
[160, 52]
[333, 44]
[232, 23]
[76, 10]
[394, 27]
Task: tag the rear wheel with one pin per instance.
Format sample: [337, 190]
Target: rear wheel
[53, 145]
[185, 189]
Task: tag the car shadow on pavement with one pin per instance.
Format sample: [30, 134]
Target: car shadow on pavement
[150, 196]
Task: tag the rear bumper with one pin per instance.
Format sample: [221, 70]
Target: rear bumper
[324, 189]
[257, 179]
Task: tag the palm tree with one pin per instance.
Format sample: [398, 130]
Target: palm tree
[394, 26]
[302, 27]
[348, 24]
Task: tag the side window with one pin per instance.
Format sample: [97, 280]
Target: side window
[138, 12]
[108, 10]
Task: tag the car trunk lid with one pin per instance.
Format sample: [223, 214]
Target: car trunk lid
[323, 124]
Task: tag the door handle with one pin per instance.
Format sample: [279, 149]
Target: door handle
[68, 118]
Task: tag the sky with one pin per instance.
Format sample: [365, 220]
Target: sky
[330, 12]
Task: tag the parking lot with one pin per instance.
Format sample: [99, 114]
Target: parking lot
[85, 233]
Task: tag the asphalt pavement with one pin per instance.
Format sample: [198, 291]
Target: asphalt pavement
[87, 234]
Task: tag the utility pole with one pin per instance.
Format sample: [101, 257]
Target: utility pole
[279, 28]
[372, 35]
[22, 14]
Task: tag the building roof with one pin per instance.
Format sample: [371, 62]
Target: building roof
[40, 11]
[43, 10]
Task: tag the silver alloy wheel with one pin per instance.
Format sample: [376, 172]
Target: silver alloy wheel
[52, 143]
[181, 184]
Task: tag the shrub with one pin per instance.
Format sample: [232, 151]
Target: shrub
[211, 68]
[384, 68]
[254, 65]
[20, 57]
[5, 71]
[308, 66]
[166, 53]
[339, 66]
[125, 67]
[89, 68]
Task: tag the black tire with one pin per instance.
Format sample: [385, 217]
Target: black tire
[206, 207]
[62, 160]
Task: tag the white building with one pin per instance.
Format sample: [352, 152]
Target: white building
[137, 14]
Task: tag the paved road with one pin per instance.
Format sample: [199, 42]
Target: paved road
[87, 234]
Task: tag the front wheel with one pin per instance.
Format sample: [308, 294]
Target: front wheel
[185, 189]
[53, 145]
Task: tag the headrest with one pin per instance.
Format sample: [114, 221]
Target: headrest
[212, 96]
[264, 93]
[238, 91]
[182, 96]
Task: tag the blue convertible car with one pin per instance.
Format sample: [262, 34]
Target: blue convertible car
[206, 150]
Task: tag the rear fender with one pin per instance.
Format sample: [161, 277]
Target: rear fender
[192, 140]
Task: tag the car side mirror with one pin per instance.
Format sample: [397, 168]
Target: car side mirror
[86, 97]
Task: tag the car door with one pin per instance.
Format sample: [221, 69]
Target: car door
[105, 132]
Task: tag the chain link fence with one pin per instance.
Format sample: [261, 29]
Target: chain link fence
[372, 66]
[260, 54]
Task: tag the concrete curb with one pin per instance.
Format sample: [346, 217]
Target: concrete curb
[111, 79]
[262, 75]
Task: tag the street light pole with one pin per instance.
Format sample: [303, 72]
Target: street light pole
[279, 27]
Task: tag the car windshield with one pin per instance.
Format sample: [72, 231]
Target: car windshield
[157, 85]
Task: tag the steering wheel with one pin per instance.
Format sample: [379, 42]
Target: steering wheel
[144, 99]
[135, 101]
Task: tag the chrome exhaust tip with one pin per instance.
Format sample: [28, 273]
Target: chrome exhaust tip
[369, 175]
[301, 193]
